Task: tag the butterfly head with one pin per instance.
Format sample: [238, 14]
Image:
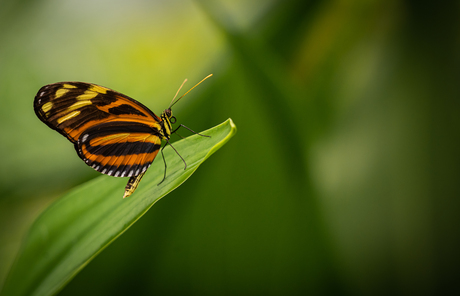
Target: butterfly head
[168, 120]
[167, 113]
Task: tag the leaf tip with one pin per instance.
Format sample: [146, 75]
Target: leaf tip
[232, 125]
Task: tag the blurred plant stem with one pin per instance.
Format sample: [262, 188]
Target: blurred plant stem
[271, 79]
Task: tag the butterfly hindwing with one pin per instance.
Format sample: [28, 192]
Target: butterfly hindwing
[119, 148]
[73, 107]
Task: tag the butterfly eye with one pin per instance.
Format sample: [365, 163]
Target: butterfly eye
[173, 120]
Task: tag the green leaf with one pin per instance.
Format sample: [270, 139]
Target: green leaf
[81, 224]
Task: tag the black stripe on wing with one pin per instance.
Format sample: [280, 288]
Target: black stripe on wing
[119, 148]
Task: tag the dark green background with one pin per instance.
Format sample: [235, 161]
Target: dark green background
[343, 178]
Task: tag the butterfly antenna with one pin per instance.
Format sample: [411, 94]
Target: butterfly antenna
[172, 104]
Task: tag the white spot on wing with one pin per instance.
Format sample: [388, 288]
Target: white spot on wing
[117, 173]
[110, 173]
[130, 173]
[104, 170]
[85, 137]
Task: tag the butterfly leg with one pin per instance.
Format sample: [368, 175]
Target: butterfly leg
[180, 136]
[189, 130]
[164, 160]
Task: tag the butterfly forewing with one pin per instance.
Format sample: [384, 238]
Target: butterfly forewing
[73, 107]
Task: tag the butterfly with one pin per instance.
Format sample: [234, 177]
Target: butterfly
[113, 133]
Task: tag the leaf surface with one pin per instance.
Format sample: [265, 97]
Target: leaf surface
[73, 230]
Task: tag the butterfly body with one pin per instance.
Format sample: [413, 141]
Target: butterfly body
[111, 132]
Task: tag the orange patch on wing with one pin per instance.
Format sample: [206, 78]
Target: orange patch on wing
[111, 139]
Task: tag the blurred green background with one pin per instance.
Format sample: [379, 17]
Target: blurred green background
[343, 178]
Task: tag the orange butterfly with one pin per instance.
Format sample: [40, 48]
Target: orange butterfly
[112, 133]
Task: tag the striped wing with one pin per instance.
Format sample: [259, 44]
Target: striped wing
[72, 108]
[119, 148]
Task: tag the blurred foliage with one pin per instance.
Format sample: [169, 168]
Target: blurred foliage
[343, 178]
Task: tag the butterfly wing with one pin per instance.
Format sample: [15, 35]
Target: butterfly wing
[71, 108]
[119, 148]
